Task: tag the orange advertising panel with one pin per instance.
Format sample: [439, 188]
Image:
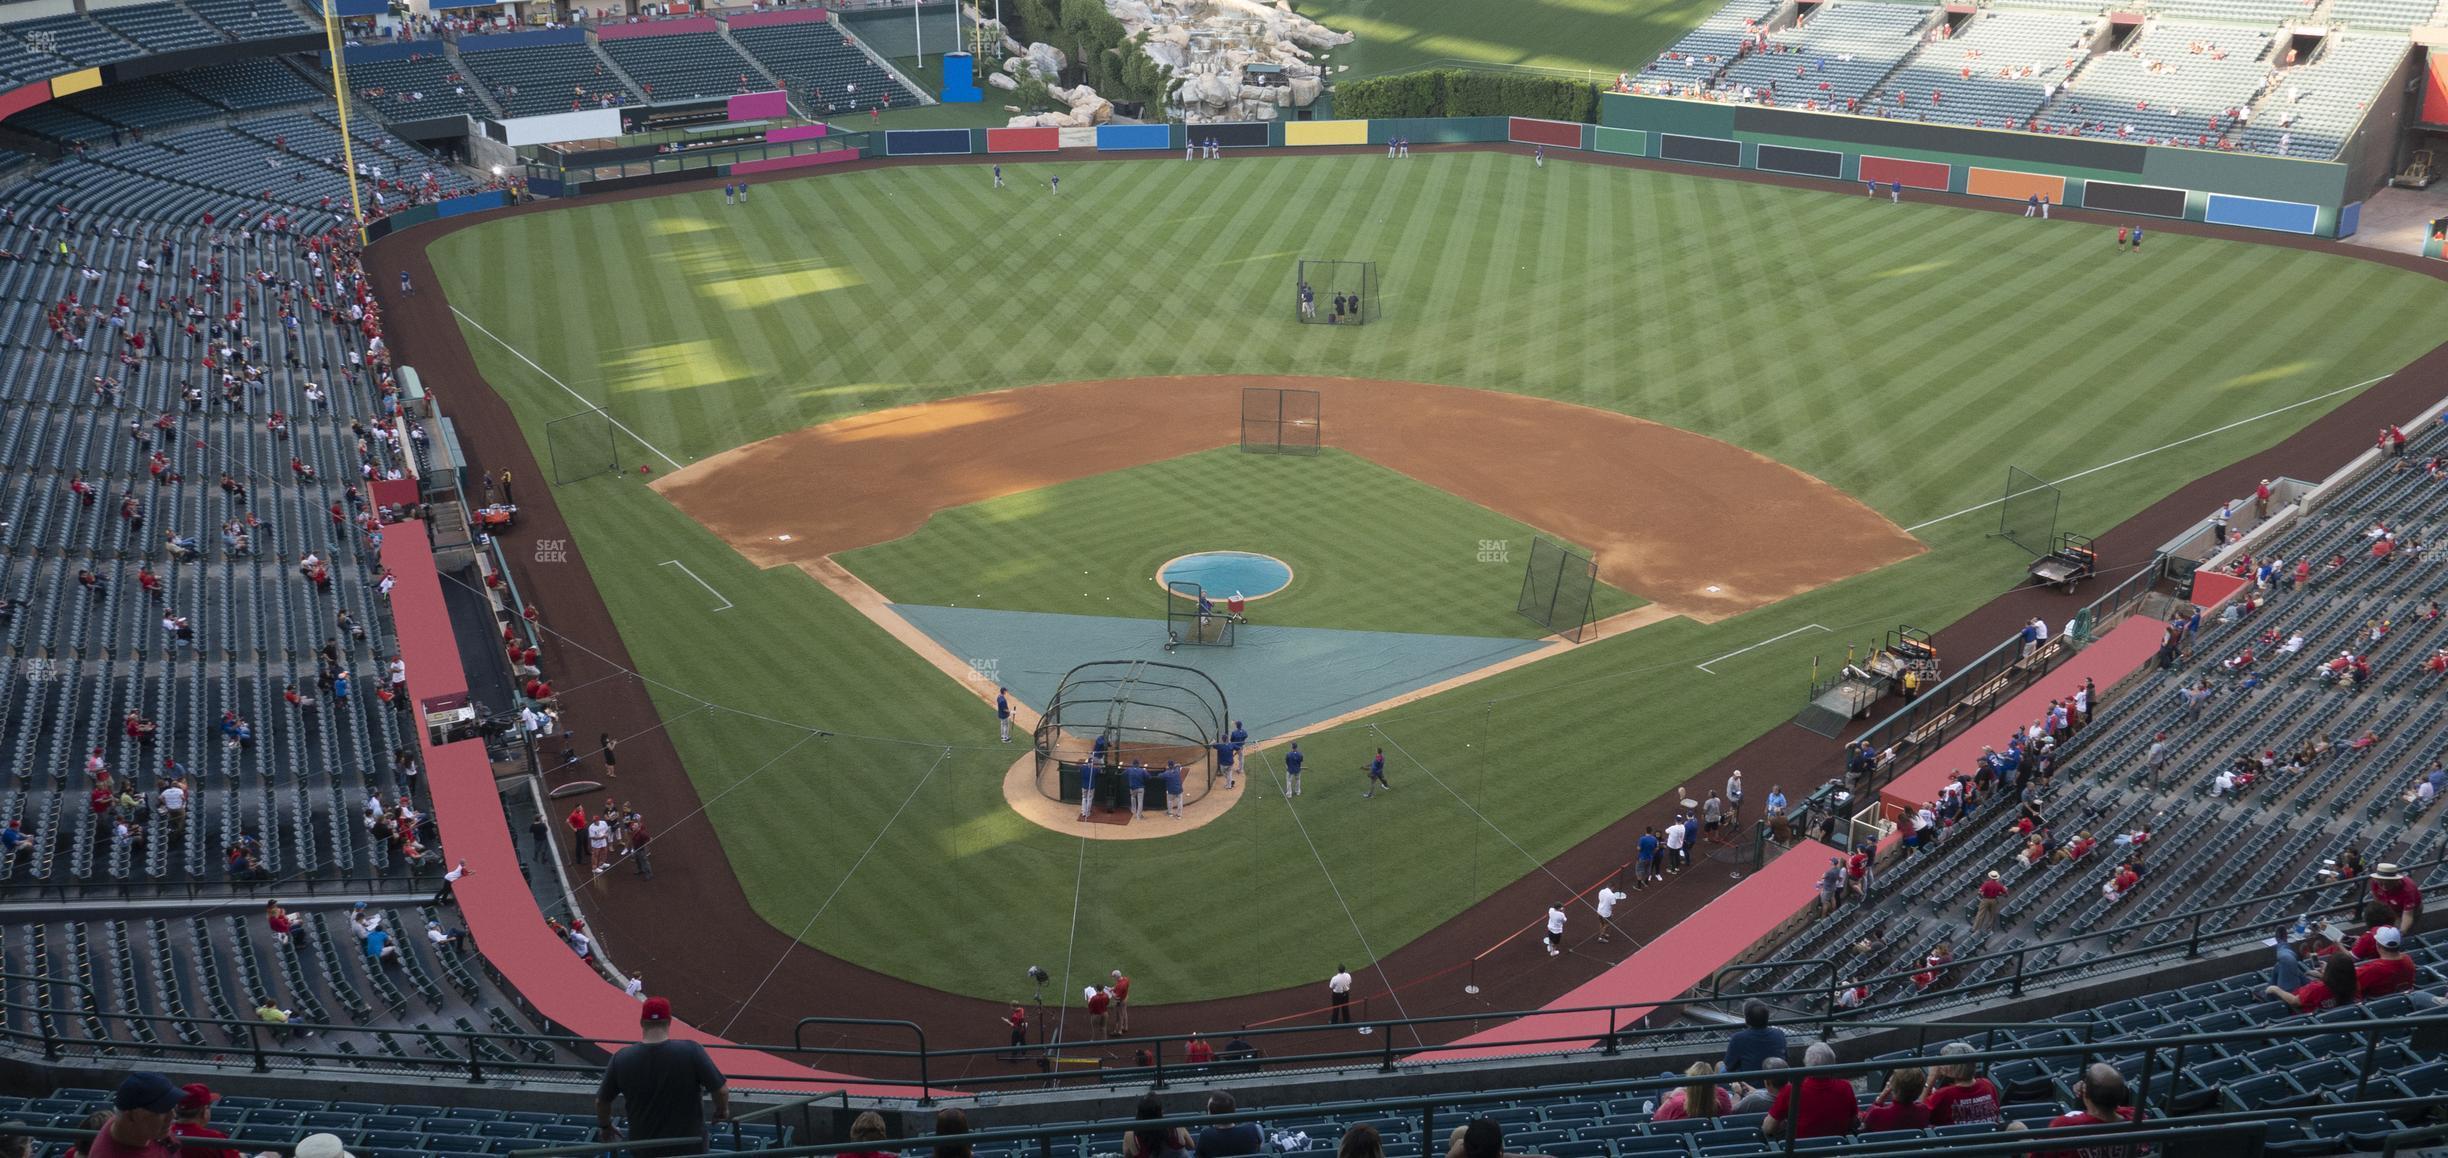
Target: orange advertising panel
[2013, 186]
[2435, 90]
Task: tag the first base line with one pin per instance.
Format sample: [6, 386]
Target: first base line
[710, 587]
[1763, 643]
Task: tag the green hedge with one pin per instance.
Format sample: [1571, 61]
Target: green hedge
[1455, 92]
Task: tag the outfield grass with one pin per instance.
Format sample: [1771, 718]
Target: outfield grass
[1381, 557]
[1905, 354]
[1599, 38]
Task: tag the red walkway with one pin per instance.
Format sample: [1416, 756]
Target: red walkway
[494, 900]
[1665, 969]
[2110, 658]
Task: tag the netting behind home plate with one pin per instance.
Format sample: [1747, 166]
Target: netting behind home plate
[1151, 712]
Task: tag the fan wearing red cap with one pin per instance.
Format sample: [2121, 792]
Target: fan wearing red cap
[660, 1081]
[193, 1119]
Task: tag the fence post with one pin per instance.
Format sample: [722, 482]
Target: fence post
[2018, 977]
[1159, 1052]
[2371, 1047]
[475, 1064]
[254, 1045]
[1387, 1066]
[1610, 1049]
[2193, 942]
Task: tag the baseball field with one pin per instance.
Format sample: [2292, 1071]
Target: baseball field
[858, 383]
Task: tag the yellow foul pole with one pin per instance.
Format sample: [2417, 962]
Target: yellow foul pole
[340, 102]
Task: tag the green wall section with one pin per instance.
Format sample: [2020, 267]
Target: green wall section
[2200, 172]
[1628, 142]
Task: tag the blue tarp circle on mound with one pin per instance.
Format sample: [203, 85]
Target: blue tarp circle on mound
[1221, 573]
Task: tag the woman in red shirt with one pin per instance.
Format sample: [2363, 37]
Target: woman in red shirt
[1701, 1099]
[1961, 1095]
[2335, 986]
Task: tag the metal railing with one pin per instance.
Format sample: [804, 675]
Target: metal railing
[2161, 1067]
[2193, 922]
[222, 888]
[1966, 697]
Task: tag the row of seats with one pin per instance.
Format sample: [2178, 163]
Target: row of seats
[1994, 72]
[2276, 837]
[373, 1129]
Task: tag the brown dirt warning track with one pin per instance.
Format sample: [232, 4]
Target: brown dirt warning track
[1675, 517]
[692, 933]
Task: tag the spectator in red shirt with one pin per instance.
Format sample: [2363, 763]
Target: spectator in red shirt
[1119, 986]
[1816, 1106]
[1198, 1051]
[2338, 984]
[193, 1119]
[1701, 1099]
[1961, 1095]
[577, 821]
[2392, 973]
[2103, 1096]
[2392, 887]
[1899, 1107]
[1098, 1002]
[1992, 895]
[2377, 915]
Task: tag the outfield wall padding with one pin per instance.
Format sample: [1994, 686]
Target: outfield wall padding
[1227, 134]
[1932, 175]
[1532, 131]
[1436, 130]
[1030, 140]
[2257, 213]
[925, 142]
[802, 161]
[1700, 150]
[1299, 133]
[796, 132]
[1801, 162]
[2349, 220]
[471, 203]
[1115, 138]
[2009, 185]
[2118, 197]
[1622, 142]
[2435, 87]
[69, 83]
[2120, 166]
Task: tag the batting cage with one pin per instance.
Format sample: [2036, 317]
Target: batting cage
[1281, 421]
[1121, 710]
[2028, 514]
[1327, 292]
[583, 445]
[1558, 588]
[1195, 619]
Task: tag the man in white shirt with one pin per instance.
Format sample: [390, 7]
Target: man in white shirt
[1338, 991]
[174, 808]
[450, 880]
[1555, 929]
[599, 843]
[1734, 797]
[1608, 898]
[1674, 845]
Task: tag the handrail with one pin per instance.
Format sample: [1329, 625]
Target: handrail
[799, 1041]
[2019, 954]
[2085, 1052]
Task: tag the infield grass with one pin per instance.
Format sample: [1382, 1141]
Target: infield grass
[1904, 353]
[1388, 554]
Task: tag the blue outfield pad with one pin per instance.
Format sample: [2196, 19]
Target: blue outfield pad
[1275, 679]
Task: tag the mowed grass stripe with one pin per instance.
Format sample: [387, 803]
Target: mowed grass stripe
[1744, 313]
